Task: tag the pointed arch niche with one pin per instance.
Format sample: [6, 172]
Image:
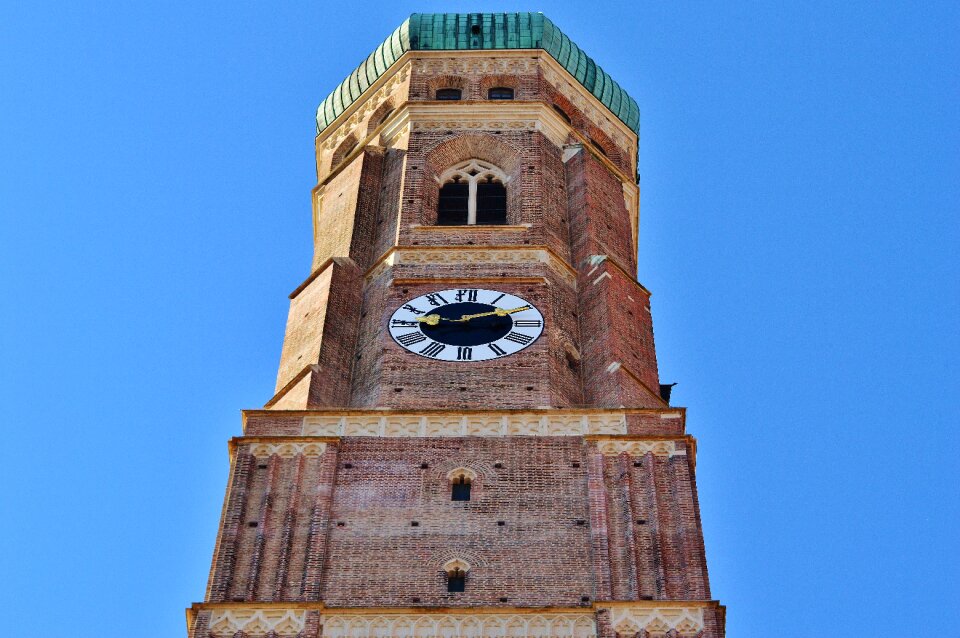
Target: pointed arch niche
[490, 155]
[472, 193]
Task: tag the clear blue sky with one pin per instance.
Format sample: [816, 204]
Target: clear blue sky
[800, 169]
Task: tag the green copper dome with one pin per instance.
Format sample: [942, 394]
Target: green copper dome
[456, 32]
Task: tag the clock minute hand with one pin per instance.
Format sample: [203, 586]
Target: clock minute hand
[500, 312]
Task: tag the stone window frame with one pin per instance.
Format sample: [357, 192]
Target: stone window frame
[472, 171]
[456, 568]
[462, 475]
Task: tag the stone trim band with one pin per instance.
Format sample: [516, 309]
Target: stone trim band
[467, 425]
[626, 620]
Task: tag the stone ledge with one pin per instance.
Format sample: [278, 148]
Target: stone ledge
[287, 620]
[424, 425]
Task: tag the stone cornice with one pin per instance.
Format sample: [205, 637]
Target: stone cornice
[553, 72]
[438, 255]
[287, 619]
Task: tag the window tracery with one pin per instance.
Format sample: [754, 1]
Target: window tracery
[472, 193]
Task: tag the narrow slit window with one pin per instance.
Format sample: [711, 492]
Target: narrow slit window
[562, 114]
[500, 93]
[460, 490]
[449, 94]
[456, 580]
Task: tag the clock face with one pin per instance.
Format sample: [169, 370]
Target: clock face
[466, 324]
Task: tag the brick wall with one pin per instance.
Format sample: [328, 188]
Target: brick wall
[338, 527]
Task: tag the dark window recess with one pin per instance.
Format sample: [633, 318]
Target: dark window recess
[500, 93]
[597, 146]
[491, 202]
[456, 581]
[449, 94]
[562, 114]
[452, 208]
[460, 490]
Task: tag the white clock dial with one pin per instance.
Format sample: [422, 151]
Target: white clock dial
[466, 324]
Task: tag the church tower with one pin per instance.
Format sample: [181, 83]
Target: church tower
[468, 436]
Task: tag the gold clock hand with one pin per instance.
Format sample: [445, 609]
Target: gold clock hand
[430, 320]
[500, 312]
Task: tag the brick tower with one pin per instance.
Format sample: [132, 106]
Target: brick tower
[468, 435]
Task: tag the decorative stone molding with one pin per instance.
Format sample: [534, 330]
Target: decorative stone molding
[578, 99]
[467, 425]
[456, 564]
[472, 116]
[656, 621]
[462, 472]
[288, 450]
[466, 255]
[478, 67]
[255, 623]
[471, 67]
[465, 625]
[640, 448]
[364, 110]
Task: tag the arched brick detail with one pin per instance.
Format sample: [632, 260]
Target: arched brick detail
[462, 147]
[613, 152]
[447, 82]
[343, 150]
[377, 117]
[487, 82]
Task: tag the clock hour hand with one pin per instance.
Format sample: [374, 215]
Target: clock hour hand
[430, 320]
[500, 312]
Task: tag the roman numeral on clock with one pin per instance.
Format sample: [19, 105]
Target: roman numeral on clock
[518, 337]
[497, 350]
[433, 349]
[527, 323]
[468, 295]
[402, 323]
[432, 298]
[410, 338]
[464, 353]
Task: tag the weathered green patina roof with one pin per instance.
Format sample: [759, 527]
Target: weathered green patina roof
[455, 32]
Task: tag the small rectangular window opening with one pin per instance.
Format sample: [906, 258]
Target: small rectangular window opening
[449, 94]
[460, 490]
[500, 93]
[456, 581]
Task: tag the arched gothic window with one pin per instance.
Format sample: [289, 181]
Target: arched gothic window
[473, 192]
[461, 480]
[456, 570]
